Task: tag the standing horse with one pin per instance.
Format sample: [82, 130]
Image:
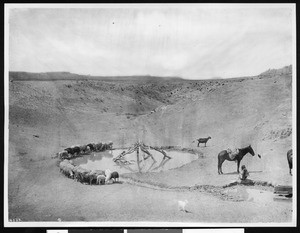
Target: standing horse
[290, 160]
[224, 155]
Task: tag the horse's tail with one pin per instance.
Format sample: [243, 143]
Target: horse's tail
[290, 160]
[290, 157]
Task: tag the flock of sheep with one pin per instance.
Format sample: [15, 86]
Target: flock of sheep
[81, 174]
[75, 151]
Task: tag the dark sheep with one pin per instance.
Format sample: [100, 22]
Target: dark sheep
[84, 149]
[115, 176]
[76, 150]
[85, 177]
[70, 150]
[99, 146]
[73, 150]
[92, 146]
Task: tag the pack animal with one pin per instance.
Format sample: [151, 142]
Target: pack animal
[224, 155]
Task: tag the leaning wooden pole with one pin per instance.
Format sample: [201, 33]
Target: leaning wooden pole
[129, 151]
[144, 149]
[161, 151]
[138, 157]
[162, 163]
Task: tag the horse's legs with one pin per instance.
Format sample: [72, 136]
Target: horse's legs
[221, 166]
[198, 143]
[238, 166]
[220, 162]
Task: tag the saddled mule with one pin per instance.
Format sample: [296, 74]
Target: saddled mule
[224, 155]
[290, 160]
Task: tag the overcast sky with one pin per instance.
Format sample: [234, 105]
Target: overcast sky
[194, 42]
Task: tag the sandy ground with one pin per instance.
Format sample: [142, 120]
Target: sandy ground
[47, 116]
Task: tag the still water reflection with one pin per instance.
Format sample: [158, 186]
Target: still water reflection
[104, 160]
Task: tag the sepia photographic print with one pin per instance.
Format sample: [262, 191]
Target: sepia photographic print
[150, 115]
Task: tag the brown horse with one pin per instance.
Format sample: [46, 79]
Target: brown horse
[290, 160]
[224, 155]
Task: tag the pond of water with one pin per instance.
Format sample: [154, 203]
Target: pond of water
[104, 160]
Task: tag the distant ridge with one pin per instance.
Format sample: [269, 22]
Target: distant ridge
[63, 75]
[56, 76]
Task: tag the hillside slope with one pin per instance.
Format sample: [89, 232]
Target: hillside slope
[234, 112]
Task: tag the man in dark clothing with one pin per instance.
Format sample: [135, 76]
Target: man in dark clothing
[244, 173]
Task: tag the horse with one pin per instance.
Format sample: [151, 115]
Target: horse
[224, 155]
[203, 140]
[290, 160]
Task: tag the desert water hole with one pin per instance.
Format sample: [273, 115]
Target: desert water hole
[104, 160]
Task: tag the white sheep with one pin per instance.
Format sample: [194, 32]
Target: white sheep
[100, 178]
[107, 175]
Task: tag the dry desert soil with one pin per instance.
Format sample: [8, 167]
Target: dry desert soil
[51, 111]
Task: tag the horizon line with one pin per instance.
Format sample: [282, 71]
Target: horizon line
[149, 75]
